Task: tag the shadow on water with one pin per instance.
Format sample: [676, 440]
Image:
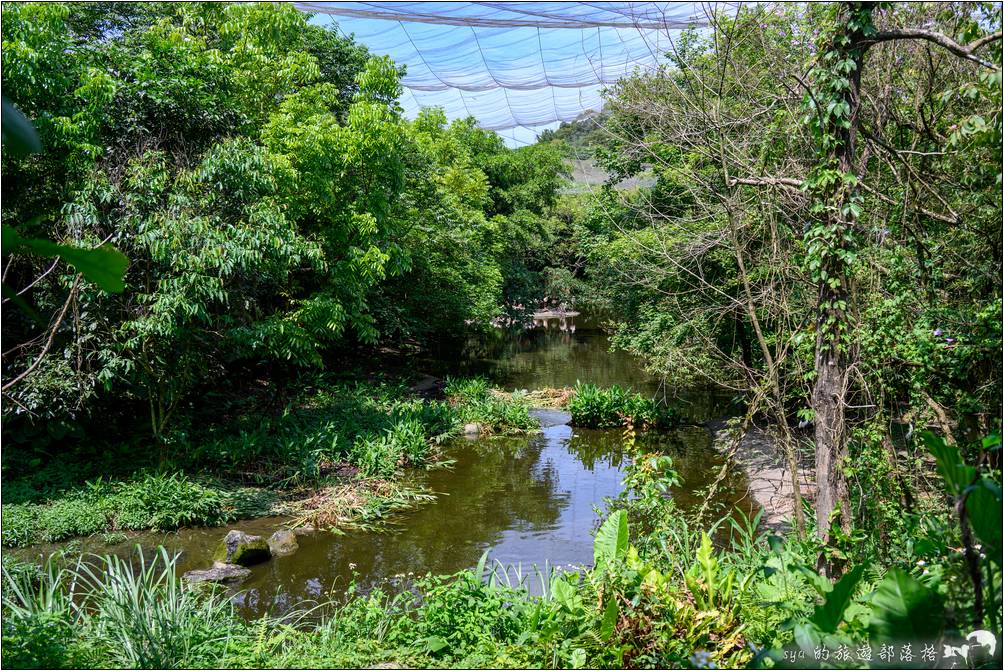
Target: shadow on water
[526, 500]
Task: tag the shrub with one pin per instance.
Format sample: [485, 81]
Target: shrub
[596, 408]
[435, 417]
[69, 517]
[27, 523]
[380, 455]
[462, 616]
[165, 502]
[476, 403]
[376, 455]
[155, 501]
[20, 524]
[461, 390]
[22, 571]
[409, 436]
[500, 415]
[38, 641]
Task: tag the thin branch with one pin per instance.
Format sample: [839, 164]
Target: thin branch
[924, 211]
[36, 280]
[48, 343]
[787, 182]
[966, 52]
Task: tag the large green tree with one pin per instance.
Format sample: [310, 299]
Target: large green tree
[256, 170]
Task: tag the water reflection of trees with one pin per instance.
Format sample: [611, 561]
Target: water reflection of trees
[542, 358]
[694, 459]
[495, 485]
[593, 446]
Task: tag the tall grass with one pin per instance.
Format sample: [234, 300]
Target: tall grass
[134, 614]
[110, 612]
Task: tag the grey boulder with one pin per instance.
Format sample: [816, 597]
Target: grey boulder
[283, 542]
[220, 573]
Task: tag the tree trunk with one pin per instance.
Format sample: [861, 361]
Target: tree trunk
[832, 311]
[831, 438]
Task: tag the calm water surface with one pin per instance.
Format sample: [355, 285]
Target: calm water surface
[525, 501]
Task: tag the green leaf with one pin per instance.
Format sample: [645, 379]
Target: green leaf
[776, 542]
[984, 505]
[609, 622]
[562, 592]
[612, 539]
[830, 613]
[956, 474]
[433, 644]
[905, 609]
[105, 266]
[19, 135]
[480, 571]
[807, 637]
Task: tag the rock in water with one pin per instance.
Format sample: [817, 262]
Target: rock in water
[473, 429]
[283, 542]
[243, 549]
[220, 572]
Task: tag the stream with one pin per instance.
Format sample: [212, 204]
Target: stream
[527, 501]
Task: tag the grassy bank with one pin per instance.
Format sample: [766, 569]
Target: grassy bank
[331, 456]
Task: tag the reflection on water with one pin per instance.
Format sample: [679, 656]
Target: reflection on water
[555, 358]
[546, 358]
[526, 500]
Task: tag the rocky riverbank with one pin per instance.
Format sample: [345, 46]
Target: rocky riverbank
[769, 476]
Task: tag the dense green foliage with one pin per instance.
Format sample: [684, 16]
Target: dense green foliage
[276, 209]
[664, 262]
[272, 201]
[151, 502]
[787, 236]
[597, 408]
[492, 412]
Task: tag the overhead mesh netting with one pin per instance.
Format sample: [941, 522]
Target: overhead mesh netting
[515, 65]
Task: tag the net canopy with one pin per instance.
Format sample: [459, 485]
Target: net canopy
[518, 66]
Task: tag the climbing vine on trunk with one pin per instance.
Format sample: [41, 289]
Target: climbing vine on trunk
[833, 102]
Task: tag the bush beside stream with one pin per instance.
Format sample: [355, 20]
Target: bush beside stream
[595, 407]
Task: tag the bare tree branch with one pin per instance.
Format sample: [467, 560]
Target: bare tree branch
[966, 52]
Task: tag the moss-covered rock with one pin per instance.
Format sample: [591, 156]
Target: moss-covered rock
[243, 549]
